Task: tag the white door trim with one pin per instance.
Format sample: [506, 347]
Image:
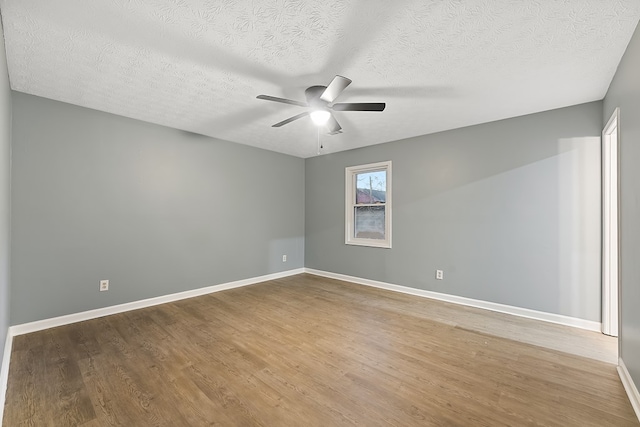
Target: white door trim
[610, 225]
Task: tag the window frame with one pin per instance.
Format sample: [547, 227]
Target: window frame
[350, 204]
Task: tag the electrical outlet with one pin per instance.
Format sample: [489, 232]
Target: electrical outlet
[104, 285]
[284, 258]
[439, 274]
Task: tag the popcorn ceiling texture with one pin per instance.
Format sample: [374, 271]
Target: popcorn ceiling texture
[198, 65]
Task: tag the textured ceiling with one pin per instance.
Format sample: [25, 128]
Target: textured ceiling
[198, 65]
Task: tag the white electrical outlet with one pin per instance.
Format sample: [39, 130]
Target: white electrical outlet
[104, 285]
[439, 274]
[284, 258]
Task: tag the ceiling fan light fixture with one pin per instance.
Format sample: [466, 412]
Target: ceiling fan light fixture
[320, 117]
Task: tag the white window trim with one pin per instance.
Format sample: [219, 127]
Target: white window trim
[350, 186]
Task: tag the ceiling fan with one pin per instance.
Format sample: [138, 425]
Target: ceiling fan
[319, 102]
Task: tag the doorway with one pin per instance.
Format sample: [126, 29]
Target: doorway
[610, 223]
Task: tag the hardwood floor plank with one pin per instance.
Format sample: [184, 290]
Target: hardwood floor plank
[26, 392]
[306, 350]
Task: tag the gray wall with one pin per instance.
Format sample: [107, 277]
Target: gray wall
[624, 92]
[510, 210]
[5, 192]
[154, 210]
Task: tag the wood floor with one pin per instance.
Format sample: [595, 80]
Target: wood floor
[303, 351]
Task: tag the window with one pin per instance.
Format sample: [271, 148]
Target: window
[368, 205]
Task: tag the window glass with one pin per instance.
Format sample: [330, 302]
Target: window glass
[369, 222]
[371, 187]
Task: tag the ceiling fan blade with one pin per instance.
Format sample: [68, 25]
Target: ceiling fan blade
[335, 88]
[290, 119]
[283, 100]
[333, 126]
[359, 106]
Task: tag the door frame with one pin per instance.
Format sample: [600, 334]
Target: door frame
[611, 225]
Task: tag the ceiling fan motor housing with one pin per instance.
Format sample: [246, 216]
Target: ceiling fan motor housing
[312, 94]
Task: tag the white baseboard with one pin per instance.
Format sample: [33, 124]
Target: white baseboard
[40, 325]
[629, 386]
[4, 372]
[508, 309]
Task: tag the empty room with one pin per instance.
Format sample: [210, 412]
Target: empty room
[319, 213]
